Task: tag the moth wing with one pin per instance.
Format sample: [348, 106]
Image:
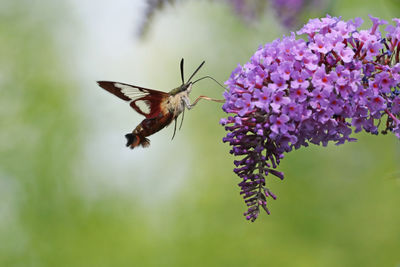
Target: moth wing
[145, 101]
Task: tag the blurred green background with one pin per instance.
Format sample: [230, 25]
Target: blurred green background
[71, 193]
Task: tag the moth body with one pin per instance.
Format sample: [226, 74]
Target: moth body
[170, 109]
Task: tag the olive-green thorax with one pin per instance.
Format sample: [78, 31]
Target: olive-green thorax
[180, 89]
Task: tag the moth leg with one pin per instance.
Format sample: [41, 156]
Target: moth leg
[174, 130]
[189, 106]
[183, 115]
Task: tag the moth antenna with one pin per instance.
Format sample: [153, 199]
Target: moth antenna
[194, 73]
[183, 79]
[183, 115]
[209, 77]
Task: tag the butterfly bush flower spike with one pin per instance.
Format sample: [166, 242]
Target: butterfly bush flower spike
[294, 92]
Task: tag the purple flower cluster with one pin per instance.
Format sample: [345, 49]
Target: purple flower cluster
[248, 10]
[288, 11]
[295, 92]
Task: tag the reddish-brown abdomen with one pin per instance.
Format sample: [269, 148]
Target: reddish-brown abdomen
[146, 128]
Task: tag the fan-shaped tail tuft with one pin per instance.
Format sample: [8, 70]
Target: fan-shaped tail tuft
[134, 140]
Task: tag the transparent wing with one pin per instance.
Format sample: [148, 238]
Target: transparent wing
[145, 101]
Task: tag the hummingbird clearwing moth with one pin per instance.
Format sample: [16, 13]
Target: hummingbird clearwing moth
[159, 108]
